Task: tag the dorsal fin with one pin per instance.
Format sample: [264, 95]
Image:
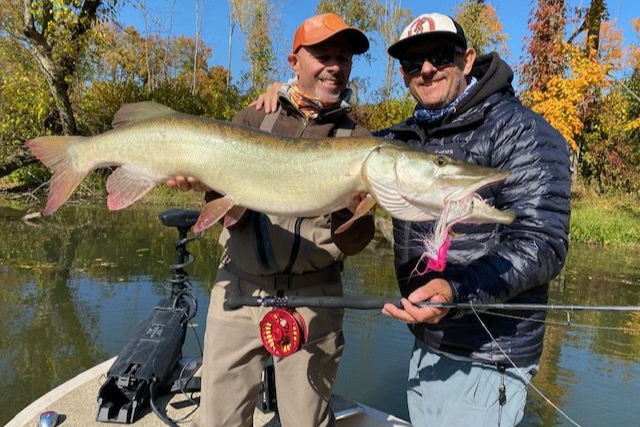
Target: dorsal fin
[137, 111]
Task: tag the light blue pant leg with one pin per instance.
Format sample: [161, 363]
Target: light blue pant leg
[443, 392]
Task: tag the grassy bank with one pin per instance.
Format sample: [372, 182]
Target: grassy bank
[606, 220]
[595, 219]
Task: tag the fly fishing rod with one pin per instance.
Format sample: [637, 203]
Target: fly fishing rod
[376, 303]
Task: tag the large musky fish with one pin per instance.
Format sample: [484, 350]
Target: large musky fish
[151, 143]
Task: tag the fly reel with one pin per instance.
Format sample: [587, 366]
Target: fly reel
[282, 332]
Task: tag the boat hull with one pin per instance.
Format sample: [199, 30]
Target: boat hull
[76, 403]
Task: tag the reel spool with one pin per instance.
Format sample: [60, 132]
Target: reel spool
[282, 332]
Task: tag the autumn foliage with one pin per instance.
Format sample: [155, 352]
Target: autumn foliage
[564, 99]
[66, 67]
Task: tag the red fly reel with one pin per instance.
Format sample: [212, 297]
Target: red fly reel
[282, 332]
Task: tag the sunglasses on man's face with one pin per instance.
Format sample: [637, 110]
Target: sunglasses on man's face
[439, 58]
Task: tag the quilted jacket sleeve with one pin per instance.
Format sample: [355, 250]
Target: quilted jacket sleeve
[532, 250]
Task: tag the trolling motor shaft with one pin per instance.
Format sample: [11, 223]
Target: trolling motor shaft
[145, 365]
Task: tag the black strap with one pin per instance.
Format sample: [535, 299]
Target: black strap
[345, 128]
[296, 246]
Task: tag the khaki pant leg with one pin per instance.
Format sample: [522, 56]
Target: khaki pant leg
[233, 358]
[304, 380]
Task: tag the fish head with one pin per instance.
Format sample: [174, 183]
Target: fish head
[435, 183]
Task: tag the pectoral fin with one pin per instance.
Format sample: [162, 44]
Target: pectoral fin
[233, 216]
[363, 208]
[212, 212]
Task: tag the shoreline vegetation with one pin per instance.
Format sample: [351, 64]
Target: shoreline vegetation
[609, 219]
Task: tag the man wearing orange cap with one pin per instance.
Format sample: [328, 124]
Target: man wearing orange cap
[468, 368]
[267, 255]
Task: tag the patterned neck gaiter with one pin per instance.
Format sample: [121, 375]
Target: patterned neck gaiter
[310, 106]
[425, 115]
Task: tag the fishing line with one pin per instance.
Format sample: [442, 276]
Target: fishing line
[565, 324]
[522, 375]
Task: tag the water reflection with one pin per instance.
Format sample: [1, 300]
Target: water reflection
[75, 285]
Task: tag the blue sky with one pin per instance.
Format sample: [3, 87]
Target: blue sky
[514, 15]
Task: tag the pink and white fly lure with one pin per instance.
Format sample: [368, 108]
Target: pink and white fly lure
[436, 246]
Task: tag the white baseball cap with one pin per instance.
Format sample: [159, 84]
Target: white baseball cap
[429, 26]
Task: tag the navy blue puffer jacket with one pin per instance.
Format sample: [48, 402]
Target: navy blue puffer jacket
[494, 263]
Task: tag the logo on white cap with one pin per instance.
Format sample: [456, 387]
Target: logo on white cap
[428, 23]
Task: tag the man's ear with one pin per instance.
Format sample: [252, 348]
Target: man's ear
[469, 58]
[293, 62]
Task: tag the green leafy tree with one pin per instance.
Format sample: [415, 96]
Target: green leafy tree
[482, 27]
[25, 111]
[255, 19]
[55, 34]
[363, 14]
[384, 114]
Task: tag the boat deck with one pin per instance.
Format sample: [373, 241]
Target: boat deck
[75, 402]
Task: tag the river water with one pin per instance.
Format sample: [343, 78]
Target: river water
[74, 286]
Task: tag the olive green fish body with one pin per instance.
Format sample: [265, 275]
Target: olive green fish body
[277, 175]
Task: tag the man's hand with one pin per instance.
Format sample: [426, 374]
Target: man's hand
[268, 100]
[437, 290]
[187, 183]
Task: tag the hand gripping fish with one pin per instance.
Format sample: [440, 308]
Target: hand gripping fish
[151, 143]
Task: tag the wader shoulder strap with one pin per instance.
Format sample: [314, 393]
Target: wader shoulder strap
[345, 128]
[269, 121]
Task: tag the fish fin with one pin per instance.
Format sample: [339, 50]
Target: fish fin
[363, 208]
[233, 216]
[212, 212]
[137, 111]
[53, 151]
[125, 187]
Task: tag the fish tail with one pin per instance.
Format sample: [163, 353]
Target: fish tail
[53, 151]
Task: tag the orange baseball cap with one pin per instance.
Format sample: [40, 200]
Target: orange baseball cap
[322, 27]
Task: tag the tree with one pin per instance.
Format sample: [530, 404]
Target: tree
[593, 18]
[362, 14]
[545, 58]
[564, 99]
[55, 33]
[483, 29]
[24, 107]
[393, 21]
[634, 57]
[255, 19]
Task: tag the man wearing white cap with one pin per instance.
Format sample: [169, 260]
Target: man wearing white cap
[469, 368]
[269, 255]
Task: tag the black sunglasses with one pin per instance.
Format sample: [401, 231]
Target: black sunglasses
[440, 57]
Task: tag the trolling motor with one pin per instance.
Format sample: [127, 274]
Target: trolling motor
[145, 365]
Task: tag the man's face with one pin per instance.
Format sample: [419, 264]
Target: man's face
[435, 85]
[323, 69]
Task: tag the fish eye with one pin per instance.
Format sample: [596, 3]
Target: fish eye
[441, 161]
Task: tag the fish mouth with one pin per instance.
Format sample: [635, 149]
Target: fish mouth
[465, 204]
[481, 181]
